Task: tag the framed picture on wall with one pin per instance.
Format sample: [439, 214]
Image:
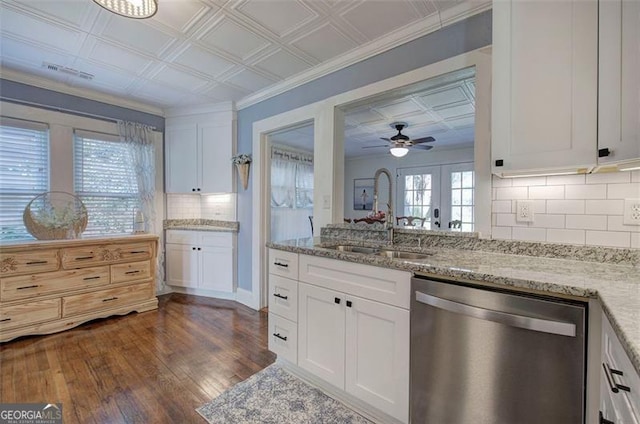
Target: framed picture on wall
[363, 194]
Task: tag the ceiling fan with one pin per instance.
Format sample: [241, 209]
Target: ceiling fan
[400, 144]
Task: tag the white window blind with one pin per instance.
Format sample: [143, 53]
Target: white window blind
[24, 172]
[105, 180]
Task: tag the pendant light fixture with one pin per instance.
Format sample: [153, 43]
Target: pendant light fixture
[136, 9]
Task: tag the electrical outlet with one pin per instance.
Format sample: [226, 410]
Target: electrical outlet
[631, 212]
[524, 211]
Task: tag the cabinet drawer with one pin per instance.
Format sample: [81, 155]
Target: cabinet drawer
[130, 272]
[78, 257]
[28, 262]
[182, 237]
[105, 299]
[283, 338]
[28, 286]
[385, 285]
[284, 264]
[283, 297]
[29, 313]
[216, 239]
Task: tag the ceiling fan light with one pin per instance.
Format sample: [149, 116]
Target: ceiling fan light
[399, 151]
[137, 9]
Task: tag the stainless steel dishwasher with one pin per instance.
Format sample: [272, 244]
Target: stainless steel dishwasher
[487, 356]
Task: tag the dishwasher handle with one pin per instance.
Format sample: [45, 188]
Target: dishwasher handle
[514, 320]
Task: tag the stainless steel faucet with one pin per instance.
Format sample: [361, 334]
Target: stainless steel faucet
[389, 205]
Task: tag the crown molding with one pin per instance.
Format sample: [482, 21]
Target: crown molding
[24, 78]
[416, 30]
[200, 109]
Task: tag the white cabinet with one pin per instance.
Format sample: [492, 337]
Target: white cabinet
[200, 259]
[198, 153]
[620, 382]
[283, 304]
[619, 81]
[353, 330]
[544, 101]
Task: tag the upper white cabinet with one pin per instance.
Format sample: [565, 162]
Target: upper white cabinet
[619, 78]
[544, 102]
[198, 151]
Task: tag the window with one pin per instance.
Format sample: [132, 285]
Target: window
[462, 185]
[105, 180]
[417, 196]
[24, 172]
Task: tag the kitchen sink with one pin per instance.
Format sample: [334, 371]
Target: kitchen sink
[399, 254]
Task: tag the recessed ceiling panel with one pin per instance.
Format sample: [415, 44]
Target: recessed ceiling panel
[103, 76]
[444, 97]
[249, 80]
[463, 122]
[224, 93]
[456, 111]
[14, 51]
[70, 11]
[282, 64]
[234, 39]
[279, 16]
[180, 15]
[107, 53]
[179, 79]
[324, 43]
[135, 34]
[376, 18]
[404, 107]
[199, 59]
[31, 28]
[364, 116]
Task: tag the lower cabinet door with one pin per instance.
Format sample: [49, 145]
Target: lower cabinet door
[182, 265]
[321, 332]
[377, 355]
[217, 268]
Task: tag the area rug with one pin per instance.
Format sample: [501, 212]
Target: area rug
[273, 396]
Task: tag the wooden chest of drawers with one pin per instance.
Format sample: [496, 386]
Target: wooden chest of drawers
[52, 286]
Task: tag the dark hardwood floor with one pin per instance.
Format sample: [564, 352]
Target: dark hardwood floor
[153, 367]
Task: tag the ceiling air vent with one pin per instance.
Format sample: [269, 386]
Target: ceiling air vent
[65, 70]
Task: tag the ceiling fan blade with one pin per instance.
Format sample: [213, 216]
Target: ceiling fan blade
[423, 140]
[374, 147]
[420, 147]
[385, 139]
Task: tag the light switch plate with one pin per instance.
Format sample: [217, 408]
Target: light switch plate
[631, 212]
[524, 211]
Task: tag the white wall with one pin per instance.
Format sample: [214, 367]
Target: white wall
[366, 167]
[574, 209]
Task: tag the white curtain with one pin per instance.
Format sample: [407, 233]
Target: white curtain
[291, 194]
[139, 140]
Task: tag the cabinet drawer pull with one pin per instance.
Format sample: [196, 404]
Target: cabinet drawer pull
[133, 252]
[37, 262]
[336, 300]
[28, 287]
[281, 264]
[91, 278]
[5, 320]
[615, 387]
[349, 303]
[132, 272]
[281, 296]
[109, 299]
[280, 337]
[83, 258]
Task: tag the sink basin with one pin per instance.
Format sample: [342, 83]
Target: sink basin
[355, 249]
[399, 254]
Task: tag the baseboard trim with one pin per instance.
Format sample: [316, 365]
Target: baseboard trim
[205, 293]
[246, 298]
[352, 402]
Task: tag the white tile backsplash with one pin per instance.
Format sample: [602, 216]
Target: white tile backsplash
[207, 206]
[574, 209]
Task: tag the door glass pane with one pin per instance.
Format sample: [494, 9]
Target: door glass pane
[456, 180]
[462, 202]
[467, 197]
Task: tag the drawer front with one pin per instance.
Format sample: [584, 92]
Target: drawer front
[626, 404]
[384, 285]
[131, 272]
[78, 257]
[29, 313]
[29, 286]
[182, 237]
[284, 264]
[105, 299]
[283, 297]
[216, 239]
[28, 262]
[283, 338]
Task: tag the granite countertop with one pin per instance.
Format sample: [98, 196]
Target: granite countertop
[617, 286]
[199, 224]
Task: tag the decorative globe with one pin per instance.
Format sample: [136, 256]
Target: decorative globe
[55, 215]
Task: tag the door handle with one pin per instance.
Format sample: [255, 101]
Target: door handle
[521, 321]
[615, 387]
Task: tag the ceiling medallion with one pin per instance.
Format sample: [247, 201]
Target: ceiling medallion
[137, 9]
